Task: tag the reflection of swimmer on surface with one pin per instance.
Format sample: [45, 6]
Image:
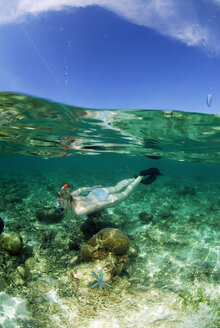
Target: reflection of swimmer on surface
[98, 198]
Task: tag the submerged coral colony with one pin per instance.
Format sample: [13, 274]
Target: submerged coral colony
[160, 261]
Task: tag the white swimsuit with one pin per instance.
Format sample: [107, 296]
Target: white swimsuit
[100, 194]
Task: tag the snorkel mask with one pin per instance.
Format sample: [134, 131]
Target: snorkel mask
[64, 197]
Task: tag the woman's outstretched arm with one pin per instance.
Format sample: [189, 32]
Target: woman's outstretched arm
[79, 191]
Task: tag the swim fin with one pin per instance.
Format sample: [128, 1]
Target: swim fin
[149, 179]
[152, 171]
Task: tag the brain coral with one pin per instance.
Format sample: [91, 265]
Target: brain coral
[111, 240]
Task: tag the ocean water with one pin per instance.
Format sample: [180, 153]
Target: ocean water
[170, 275]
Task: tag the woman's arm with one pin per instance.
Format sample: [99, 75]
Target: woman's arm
[82, 190]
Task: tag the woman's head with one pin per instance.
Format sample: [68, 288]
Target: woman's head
[64, 198]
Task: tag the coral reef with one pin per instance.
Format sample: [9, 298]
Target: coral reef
[109, 246]
[108, 240]
[11, 242]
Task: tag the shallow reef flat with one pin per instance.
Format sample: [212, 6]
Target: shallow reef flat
[169, 277]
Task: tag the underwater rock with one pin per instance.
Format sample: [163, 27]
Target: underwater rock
[49, 215]
[111, 240]
[11, 242]
[86, 252]
[145, 217]
[95, 222]
[21, 276]
[165, 213]
[1, 225]
[36, 265]
[73, 245]
[41, 286]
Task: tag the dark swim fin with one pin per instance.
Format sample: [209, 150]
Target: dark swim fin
[151, 171]
[149, 179]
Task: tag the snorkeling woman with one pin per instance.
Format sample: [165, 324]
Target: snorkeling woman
[98, 198]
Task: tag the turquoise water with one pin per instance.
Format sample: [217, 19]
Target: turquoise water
[170, 275]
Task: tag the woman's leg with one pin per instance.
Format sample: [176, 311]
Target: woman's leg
[131, 186]
[117, 198]
[120, 185]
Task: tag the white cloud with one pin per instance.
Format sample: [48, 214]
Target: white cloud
[178, 19]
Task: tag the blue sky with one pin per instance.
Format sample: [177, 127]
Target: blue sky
[136, 54]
